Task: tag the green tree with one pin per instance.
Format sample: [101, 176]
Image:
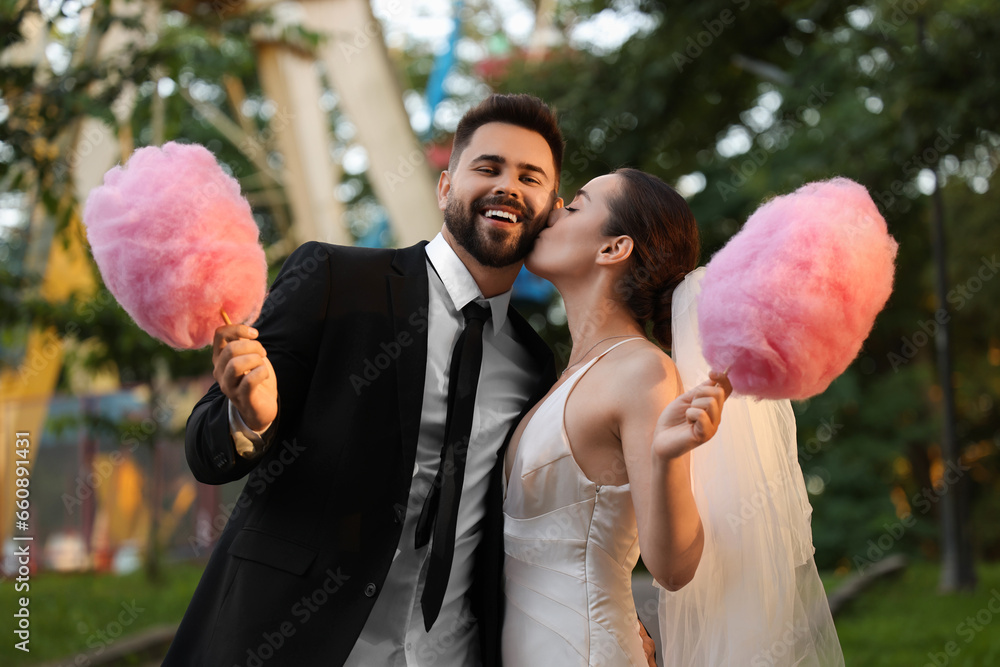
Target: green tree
[749, 100]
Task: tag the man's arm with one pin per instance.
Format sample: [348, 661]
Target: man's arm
[254, 374]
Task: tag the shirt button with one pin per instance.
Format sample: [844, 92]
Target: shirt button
[370, 590]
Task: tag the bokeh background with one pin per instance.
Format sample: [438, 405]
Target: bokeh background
[336, 117]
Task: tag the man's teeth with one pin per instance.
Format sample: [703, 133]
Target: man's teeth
[493, 213]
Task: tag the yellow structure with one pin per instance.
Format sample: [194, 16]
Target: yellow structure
[357, 65]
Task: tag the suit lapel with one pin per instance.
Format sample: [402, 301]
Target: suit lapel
[408, 297]
[544, 361]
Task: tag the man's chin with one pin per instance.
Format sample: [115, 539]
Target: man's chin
[496, 259]
[490, 245]
[497, 249]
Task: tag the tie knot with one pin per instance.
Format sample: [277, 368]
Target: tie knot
[473, 311]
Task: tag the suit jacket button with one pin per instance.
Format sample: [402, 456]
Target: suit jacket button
[370, 590]
[400, 513]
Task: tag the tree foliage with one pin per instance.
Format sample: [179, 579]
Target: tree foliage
[755, 99]
[735, 101]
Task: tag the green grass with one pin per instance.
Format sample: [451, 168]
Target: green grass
[897, 622]
[68, 610]
[901, 621]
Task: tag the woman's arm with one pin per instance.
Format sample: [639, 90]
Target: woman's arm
[658, 430]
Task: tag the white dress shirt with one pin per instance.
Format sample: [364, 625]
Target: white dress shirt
[394, 632]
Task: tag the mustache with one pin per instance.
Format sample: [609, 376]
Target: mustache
[524, 211]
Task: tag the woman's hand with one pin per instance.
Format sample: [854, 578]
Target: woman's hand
[691, 419]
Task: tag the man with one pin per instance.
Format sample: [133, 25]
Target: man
[337, 406]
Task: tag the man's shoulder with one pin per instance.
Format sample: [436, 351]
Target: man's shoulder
[353, 257]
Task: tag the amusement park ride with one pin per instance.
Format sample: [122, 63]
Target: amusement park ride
[356, 62]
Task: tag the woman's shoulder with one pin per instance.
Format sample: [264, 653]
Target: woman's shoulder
[645, 357]
[643, 365]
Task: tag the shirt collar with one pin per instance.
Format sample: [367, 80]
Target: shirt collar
[460, 284]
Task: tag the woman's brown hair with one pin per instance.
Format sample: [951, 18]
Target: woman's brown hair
[666, 246]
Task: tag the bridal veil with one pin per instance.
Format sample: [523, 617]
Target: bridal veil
[756, 599]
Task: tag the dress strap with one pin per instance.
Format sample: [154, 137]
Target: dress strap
[621, 342]
[570, 386]
[580, 372]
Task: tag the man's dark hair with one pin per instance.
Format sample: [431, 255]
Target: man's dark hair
[521, 110]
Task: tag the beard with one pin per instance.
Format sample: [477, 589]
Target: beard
[489, 246]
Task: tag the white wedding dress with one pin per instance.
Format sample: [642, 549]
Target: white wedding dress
[570, 548]
[756, 598]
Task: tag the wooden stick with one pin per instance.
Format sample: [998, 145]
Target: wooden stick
[225, 317]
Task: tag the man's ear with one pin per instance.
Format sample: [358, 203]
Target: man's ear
[559, 203]
[444, 187]
[615, 250]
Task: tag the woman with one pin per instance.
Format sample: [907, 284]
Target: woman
[600, 469]
[598, 478]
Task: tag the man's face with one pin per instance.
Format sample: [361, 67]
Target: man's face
[498, 196]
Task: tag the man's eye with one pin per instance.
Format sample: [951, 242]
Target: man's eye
[529, 179]
[487, 170]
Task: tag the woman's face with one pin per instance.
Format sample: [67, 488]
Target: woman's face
[571, 243]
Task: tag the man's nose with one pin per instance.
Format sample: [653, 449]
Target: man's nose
[509, 186]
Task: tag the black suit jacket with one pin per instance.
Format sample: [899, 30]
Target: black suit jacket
[303, 557]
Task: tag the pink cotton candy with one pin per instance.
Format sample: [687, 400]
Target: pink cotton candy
[175, 242]
[787, 303]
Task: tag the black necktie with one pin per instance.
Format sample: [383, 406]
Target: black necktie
[440, 510]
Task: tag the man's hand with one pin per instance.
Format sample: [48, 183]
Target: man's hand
[648, 645]
[245, 375]
[692, 418]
